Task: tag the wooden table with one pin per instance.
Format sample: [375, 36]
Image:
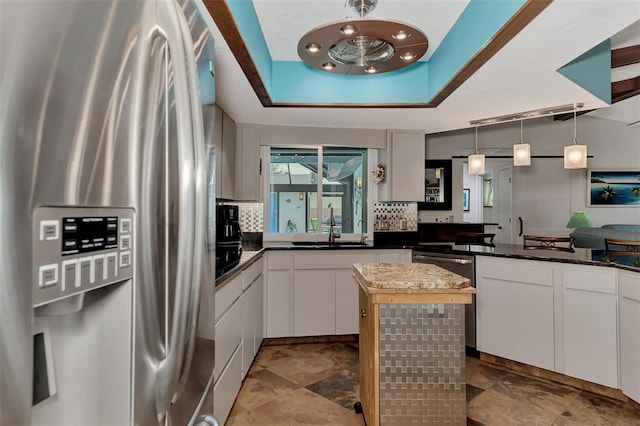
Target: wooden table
[412, 355]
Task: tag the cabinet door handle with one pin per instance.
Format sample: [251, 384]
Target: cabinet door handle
[363, 313]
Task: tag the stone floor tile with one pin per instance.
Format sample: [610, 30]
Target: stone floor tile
[262, 386]
[342, 388]
[492, 408]
[549, 396]
[480, 375]
[588, 409]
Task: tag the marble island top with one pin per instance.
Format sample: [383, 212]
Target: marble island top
[415, 282]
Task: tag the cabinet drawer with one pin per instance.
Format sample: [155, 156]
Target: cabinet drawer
[227, 387]
[588, 278]
[228, 336]
[336, 260]
[227, 294]
[523, 271]
[278, 261]
[252, 272]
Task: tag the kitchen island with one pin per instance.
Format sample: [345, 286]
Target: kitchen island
[412, 354]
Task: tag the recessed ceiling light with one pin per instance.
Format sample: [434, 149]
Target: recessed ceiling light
[360, 46]
[312, 47]
[401, 35]
[348, 29]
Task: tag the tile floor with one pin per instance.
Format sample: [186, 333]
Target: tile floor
[317, 384]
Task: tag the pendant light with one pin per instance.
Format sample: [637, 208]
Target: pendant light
[522, 150]
[476, 161]
[575, 156]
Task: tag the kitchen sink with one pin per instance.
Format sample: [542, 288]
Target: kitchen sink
[328, 244]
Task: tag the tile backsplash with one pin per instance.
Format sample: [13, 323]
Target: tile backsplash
[251, 217]
[394, 217]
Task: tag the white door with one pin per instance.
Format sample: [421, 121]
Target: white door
[502, 204]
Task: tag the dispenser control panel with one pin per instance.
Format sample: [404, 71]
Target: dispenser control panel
[76, 249]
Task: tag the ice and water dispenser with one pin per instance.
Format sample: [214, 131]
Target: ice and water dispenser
[82, 292]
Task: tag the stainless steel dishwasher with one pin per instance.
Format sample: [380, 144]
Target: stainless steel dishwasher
[461, 265]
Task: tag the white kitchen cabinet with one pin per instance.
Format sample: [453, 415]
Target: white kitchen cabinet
[248, 165]
[311, 293]
[515, 309]
[406, 165]
[395, 256]
[589, 324]
[227, 386]
[629, 322]
[347, 314]
[314, 301]
[251, 321]
[224, 135]
[279, 295]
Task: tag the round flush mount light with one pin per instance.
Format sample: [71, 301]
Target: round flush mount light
[360, 46]
[373, 43]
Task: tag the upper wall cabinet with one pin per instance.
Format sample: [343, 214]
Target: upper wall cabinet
[248, 165]
[225, 142]
[405, 168]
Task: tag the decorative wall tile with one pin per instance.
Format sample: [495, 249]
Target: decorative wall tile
[250, 215]
[389, 216]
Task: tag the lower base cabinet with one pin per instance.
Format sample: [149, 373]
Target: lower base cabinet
[515, 310]
[579, 320]
[629, 305]
[227, 386]
[312, 293]
[589, 347]
[239, 332]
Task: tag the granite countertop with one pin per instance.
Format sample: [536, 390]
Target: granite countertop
[411, 276]
[581, 256]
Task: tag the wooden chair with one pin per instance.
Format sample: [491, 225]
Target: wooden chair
[534, 242]
[622, 247]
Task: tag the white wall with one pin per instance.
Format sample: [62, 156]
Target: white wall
[545, 194]
[289, 135]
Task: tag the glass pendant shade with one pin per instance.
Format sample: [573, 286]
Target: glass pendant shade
[575, 156]
[580, 219]
[522, 154]
[476, 164]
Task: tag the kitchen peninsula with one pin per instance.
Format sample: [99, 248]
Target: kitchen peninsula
[412, 355]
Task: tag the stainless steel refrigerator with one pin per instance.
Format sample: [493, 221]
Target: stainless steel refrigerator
[107, 210]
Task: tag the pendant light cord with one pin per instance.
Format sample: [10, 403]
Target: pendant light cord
[475, 140]
[521, 130]
[575, 128]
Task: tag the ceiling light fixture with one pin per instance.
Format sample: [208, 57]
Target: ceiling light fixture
[370, 46]
[476, 161]
[522, 150]
[575, 156]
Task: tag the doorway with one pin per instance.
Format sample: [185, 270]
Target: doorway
[497, 201]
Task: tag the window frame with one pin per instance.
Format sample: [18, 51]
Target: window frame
[371, 198]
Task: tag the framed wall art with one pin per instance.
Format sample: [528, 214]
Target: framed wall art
[613, 188]
[466, 193]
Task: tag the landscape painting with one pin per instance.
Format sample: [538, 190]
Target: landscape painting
[613, 188]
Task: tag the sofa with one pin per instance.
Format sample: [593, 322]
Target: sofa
[594, 237]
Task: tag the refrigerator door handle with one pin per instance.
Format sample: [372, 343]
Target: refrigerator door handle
[206, 420]
[172, 370]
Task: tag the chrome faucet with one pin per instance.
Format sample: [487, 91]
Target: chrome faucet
[362, 235]
[332, 222]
